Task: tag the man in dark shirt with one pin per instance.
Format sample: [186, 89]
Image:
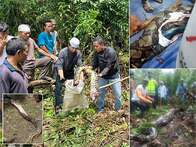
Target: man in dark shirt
[105, 60]
[12, 78]
[68, 59]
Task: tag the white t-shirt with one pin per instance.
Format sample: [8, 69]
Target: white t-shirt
[162, 90]
[142, 89]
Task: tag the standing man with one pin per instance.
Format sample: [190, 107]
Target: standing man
[162, 93]
[4, 38]
[46, 43]
[68, 59]
[106, 62]
[152, 90]
[181, 91]
[13, 79]
[147, 7]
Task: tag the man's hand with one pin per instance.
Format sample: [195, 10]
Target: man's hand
[61, 75]
[53, 57]
[2, 44]
[89, 67]
[99, 75]
[62, 78]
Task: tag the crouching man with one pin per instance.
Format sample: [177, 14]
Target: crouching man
[140, 99]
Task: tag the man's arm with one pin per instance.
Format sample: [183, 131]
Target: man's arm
[44, 48]
[2, 45]
[40, 50]
[141, 97]
[59, 64]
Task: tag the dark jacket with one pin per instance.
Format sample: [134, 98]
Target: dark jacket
[67, 61]
[107, 63]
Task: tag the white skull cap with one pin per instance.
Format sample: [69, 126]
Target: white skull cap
[74, 42]
[24, 28]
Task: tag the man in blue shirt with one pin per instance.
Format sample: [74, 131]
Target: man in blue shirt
[46, 43]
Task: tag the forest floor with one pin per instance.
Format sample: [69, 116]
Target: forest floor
[180, 132]
[86, 127]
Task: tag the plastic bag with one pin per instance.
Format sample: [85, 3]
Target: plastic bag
[74, 96]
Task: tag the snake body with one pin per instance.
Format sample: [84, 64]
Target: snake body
[93, 79]
[23, 113]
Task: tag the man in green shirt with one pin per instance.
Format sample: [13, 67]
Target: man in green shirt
[151, 89]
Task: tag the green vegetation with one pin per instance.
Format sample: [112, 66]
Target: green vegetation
[84, 127]
[83, 18]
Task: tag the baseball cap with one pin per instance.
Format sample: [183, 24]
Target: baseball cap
[74, 42]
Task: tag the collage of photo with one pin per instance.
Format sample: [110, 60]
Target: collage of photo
[97, 73]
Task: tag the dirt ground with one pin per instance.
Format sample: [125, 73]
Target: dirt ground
[16, 129]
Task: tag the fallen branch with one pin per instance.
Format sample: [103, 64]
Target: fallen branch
[40, 83]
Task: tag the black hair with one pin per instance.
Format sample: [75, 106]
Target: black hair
[14, 45]
[99, 39]
[3, 27]
[46, 21]
[145, 81]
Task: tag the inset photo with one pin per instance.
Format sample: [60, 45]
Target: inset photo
[22, 119]
[156, 32]
[162, 107]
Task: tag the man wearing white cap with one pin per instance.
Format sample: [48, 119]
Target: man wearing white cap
[31, 63]
[69, 58]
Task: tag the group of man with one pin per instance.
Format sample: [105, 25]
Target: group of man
[149, 92]
[18, 62]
